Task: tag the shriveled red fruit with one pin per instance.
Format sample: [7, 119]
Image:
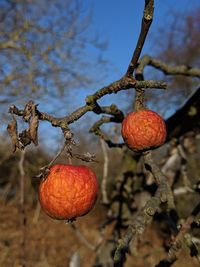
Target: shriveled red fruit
[143, 130]
[68, 191]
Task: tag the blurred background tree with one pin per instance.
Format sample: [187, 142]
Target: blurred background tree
[44, 49]
[176, 44]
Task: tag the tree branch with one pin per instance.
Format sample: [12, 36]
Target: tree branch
[146, 23]
[124, 83]
[105, 199]
[167, 69]
[145, 216]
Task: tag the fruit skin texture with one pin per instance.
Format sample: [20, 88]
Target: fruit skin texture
[143, 130]
[68, 191]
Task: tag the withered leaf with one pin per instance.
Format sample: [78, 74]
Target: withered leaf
[12, 130]
[13, 109]
[24, 138]
[33, 129]
[86, 157]
[27, 113]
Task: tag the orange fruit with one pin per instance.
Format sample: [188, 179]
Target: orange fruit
[68, 191]
[143, 130]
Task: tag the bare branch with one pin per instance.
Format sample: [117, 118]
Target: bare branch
[167, 69]
[123, 84]
[146, 23]
[22, 209]
[82, 237]
[105, 173]
[97, 130]
[75, 260]
[145, 216]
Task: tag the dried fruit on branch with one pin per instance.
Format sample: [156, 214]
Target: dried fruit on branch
[68, 191]
[143, 130]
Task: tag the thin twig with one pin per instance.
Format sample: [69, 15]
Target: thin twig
[81, 237]
[167, 69]
[75, 260]
[36, 213]
[57, 156]
[105, 173]
[183, 190]
[22, 209]
[146, 23]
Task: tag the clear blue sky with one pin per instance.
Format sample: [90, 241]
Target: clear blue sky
[118, 21]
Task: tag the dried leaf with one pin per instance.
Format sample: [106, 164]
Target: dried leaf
[86, 157]
[24, 138]
[28, 111]
[13, 109]
[33, 129]
[12, 130]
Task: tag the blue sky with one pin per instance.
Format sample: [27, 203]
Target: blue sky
[119, 23]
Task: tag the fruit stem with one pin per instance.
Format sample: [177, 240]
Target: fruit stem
[139, 100]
